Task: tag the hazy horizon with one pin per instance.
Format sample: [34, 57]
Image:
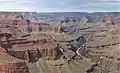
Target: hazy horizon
[60, 6]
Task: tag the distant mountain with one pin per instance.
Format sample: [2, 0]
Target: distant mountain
[92, 17]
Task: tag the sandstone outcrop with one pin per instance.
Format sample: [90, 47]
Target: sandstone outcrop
[29, 49]
[9, 64]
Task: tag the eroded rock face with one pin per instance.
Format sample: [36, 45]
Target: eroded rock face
[36, 53]
[9, 64]
[104, 51]
[111, 19]
[30, 49]
[13, 67]
[19, 54]
[18, 50]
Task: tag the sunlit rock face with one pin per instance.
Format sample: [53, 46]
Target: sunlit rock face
[30, 49]
[9, 64]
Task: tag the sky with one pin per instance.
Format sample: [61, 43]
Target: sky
[60, 5]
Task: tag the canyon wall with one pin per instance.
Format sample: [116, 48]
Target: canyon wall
[13, 67]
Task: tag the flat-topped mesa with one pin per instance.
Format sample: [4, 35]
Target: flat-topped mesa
[9, 64]
[36, 49]
[30, 49]
[36, 26]
[111, 19]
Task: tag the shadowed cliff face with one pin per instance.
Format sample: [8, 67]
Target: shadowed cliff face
[45, 50]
